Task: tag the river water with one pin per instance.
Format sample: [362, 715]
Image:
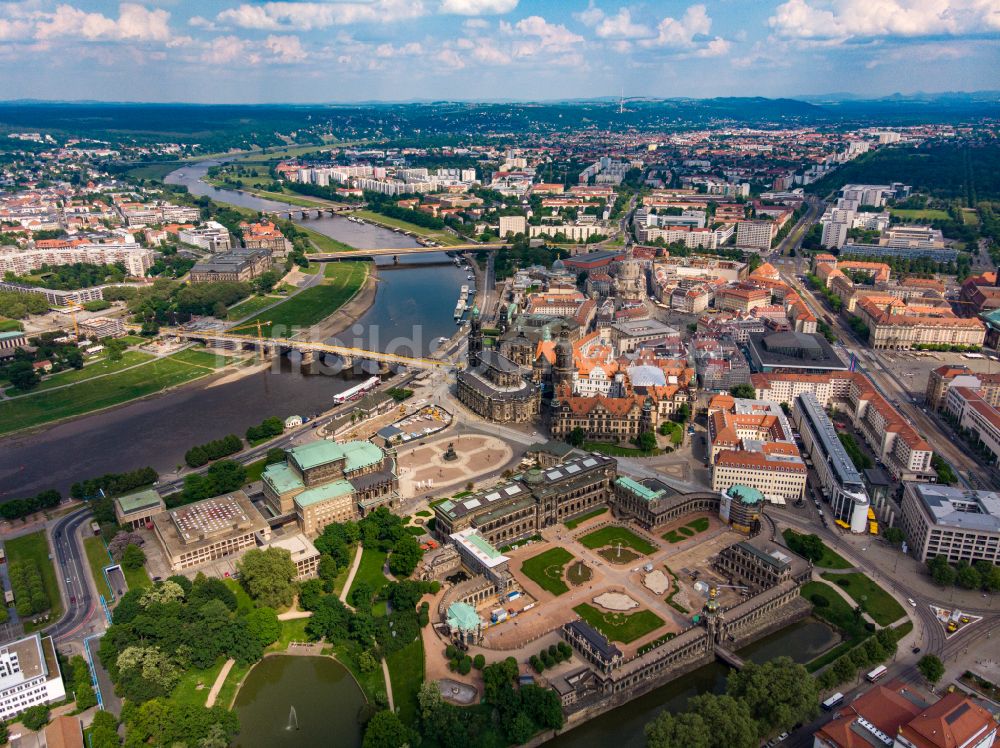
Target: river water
[413, 306]
[802, 641]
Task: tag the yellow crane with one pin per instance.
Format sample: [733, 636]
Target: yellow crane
[259, 325]
[75, 306]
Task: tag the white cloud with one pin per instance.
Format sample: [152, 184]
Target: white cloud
[715, 48]
[386, 51]
[844, 19]
[475, 24]
[134, 23]
[591, 16]
[201, 23]
[226, 49]
[487, 52]
[286, 49]
[14, 30]
[621, 26]
[450, 59]
[554, 36]
[306, 16]
[477, 7]
[671, 32]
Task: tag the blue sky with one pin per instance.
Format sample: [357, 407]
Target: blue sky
[252, 51]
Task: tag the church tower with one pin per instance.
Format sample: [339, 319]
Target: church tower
[475, 338]
[562, 372]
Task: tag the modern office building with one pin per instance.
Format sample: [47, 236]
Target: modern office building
[29, 675]
[792, 352]
[841, 483]
[960, 524]
[235, 265]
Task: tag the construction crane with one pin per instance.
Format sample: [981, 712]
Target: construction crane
[74, 307]
[259, 324]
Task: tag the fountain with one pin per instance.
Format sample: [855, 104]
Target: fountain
[293, 720]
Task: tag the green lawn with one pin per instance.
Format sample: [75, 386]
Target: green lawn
[920, 215]
[250, 307]
[312, 269]
[370, 569]
[572, 524]
[255, 469]
[35, 546]
[878, 603]
[93, 394]
[187, 691]
[324, 243]
[10, 325]
[546, 569]
[316, 303]
[243, 602]
[96, 369]
[291, 631]
[98, 558]
[406, 671]
[231, 685]
[439, 235]
[207, 359]
[832, 608]
[613, 536]
[682, 533]
[155, 171]
[620, 627]
[137, 579]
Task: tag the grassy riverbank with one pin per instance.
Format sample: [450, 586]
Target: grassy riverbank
[74, 376]
[439, 235]
[92, 394]
[342, 280]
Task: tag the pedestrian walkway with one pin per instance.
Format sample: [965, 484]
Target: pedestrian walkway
[350, 577]
[213, 694]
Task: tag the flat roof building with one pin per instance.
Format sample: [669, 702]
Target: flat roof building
[841, 483]
[210, 530]
[792, 352]
[29, 675]
[959, 524]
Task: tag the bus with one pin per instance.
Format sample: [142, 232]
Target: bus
[877, 673]
[357, 391]
[834, 701]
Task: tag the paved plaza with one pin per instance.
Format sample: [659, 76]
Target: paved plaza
[423, 467]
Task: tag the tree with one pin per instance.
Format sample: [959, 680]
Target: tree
[967, 576]
[520, 729]
[646, 441]
[104, 730]
[115, 349]
[263, 625]
[682, 414]
[745, 391]
[133, 557]
[942, 572]
[893, 535]
[35, 717]
[577, 436]
[22, 375]
[778, 693]
[268, 576]
[931, 667]
[385, 730]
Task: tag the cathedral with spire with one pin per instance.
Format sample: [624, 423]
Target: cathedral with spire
[493, 386]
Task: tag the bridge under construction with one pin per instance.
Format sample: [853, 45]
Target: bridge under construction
[270, 346]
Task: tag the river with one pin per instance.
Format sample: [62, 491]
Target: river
[802, 641]
[413, 306]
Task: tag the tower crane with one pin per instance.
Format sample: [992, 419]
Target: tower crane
[259, 325]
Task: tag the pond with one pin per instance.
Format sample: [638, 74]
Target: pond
[301, 702]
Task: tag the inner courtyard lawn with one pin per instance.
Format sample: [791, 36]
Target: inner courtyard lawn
[613, 536]
[620, 627]
[546, 569]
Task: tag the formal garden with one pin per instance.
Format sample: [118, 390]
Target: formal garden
[620, 627]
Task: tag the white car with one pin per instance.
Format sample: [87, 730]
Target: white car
[912, 602]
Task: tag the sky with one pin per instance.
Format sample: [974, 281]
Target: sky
[259, 51]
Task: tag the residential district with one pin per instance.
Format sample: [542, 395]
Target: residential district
[712, 405]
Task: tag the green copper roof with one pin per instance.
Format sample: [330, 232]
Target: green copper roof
[483, 545]
[746, 494]
[463, 617]
[324, 493]
[358, 454]
[281, 478]
[13, 335]
[638, 489]
[134, 502]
